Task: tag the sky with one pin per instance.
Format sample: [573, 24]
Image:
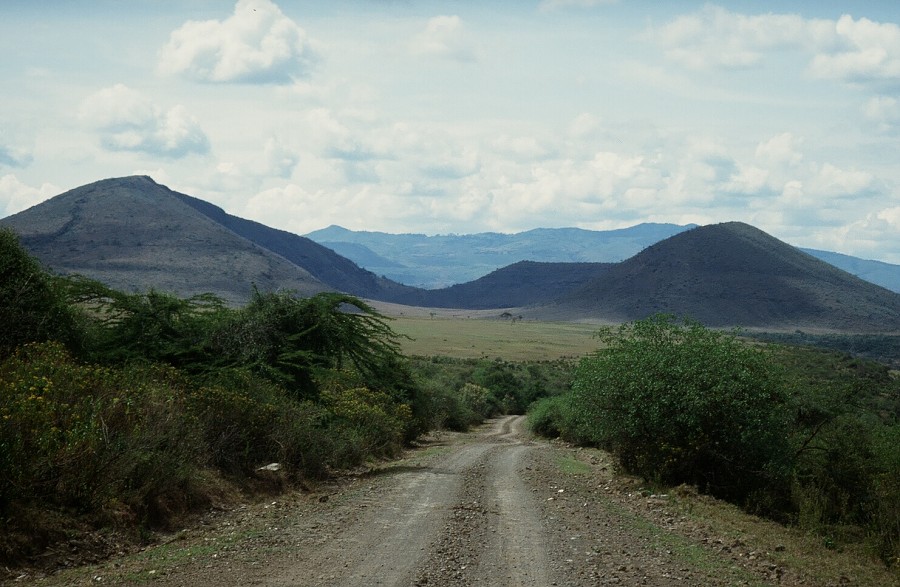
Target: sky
[468, 116]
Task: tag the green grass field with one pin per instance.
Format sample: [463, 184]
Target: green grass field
[477, 338]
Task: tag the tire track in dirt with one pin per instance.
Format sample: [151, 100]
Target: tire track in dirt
[386, 546]
[493, 536]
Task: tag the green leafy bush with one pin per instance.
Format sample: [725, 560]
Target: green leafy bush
[884, 508]
[294, 342]
[679, 403]
[509, 387]
[549, 417]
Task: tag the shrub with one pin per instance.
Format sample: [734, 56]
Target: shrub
[884, 508]
[80, 436]
[679, 403]
[371, 419]
[152, 326]
[294, 342]
[549, 417]
[236, 413]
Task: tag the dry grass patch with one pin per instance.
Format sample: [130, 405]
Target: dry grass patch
[474, 338]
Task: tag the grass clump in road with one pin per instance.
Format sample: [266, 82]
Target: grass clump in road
[572, 466]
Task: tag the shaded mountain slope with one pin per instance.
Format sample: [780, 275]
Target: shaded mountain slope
[424, 261]
[324, 264]
[733, 274]
[521, 284]
[134, 234]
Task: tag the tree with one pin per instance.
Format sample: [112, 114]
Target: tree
[151, 326]
[32, 308]
[294, 341]
[679, 403]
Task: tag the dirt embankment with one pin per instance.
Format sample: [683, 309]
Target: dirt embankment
[490, 508]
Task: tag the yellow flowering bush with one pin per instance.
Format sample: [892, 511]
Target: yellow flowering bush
[79, 435]
[370, 417]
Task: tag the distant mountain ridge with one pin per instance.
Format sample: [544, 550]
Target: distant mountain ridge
[135, 234]
[442, 260]
[439, 261]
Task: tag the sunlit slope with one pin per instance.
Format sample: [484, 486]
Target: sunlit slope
[134, 234]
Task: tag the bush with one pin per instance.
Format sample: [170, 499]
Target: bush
[884, 508]
[296, 342]
[370, 418]
[550, 417]
[79, 436]
[679, 403]
[236, 413]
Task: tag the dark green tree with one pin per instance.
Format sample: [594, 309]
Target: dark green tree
[297, 341]
[32, 307]
[152, 326]
[679, 403]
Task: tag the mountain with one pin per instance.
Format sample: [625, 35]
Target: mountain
[424, 261]
[886, 275]
[520, 284]
[732, 274]
[439, 261]
[334, 270]
[134, 234]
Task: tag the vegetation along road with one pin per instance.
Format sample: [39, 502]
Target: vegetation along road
[490, 507]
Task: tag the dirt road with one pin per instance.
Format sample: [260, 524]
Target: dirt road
[489, 508]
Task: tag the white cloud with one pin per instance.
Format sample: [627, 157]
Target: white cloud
[129, 121]
[717, 38]
[16, 196]
[520, 148]
[863, 236]
[891, 216]
[444, 36]
[780, 150]
[846, 49]
[454, 164]
[300, 210]
[280, 160]
[585, 125]
[344, 135]
[831, 181]
[748, 180]
[883, 113]
[863, 50]
[256, 44]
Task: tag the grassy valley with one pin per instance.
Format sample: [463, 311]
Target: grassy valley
[503, 338]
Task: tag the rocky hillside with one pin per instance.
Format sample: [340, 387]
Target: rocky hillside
[134, 234]
[733, 274]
